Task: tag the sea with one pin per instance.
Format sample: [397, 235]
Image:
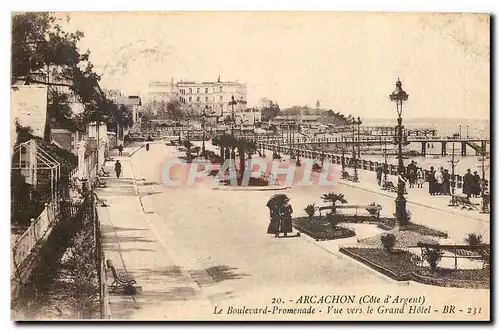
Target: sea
[477, 128]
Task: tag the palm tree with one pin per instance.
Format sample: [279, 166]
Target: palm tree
[332, 198]
[245, 147]
[225, 143]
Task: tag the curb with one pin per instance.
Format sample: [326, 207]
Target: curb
[135, 151]
[341, 255]
[373, 265]
[249, 189]
[451, 211]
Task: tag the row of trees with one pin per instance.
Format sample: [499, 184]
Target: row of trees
[161, 109]
[228, 144]
[43, 53]
[271, 109]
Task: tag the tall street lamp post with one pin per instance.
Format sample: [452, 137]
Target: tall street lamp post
[354, 160]
[232, 103]
[203, 130]
[359, 138]
[399, 96]
[453, 164]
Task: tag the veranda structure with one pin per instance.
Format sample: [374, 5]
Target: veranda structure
[38, 175]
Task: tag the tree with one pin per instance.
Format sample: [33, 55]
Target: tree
[332, 198]
[174, 110]
[432, 256]
[37, 42]
[311, 210]
[43, 53]
[244, 147]
[270, 109]
[388, 242]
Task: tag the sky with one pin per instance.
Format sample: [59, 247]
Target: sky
[348, 61]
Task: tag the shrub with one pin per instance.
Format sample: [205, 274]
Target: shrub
[474, 239]
[432, 256]
[311, 210]
[388, 241]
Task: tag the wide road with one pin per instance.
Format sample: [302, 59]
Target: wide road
[220, 238]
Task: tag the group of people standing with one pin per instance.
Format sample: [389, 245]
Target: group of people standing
[415, 175]
[471, 184]
[439, 181]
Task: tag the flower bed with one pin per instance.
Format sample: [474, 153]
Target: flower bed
[318, 231]
[424, 230]
[252, 181]
[398, 265]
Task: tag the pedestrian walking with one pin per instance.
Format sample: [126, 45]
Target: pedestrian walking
[274, 217]
[120, 150]
[147, 147]
[431, 178]
[420, 178]
[118, 169]
[446, 182]
[285, 213]
[439, 181]
[468, 181]
[476, 185]
[379, 172]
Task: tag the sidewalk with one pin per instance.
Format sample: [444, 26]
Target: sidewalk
[129, 240]
[417, 196]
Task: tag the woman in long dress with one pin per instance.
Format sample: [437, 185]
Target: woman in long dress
[274, 223]
[286, 218]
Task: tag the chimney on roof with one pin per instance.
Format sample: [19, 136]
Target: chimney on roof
[218, 79]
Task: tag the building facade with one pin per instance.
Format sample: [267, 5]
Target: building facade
[215, 96]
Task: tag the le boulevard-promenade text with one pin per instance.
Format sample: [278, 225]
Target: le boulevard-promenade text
[336, 304]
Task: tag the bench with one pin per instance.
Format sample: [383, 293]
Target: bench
[104, 173]
[346, 176]
[463, 201]
[99, 182]
[482, 251]
[109, 159]
[372, 209]
[123, 281]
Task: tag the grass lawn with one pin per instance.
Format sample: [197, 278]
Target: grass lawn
[400, 264]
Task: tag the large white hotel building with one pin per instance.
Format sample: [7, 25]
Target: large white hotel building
[213, 95]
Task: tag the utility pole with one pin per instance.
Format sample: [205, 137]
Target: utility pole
[385, 160]
[232, 103]
[484, 194]
[359, 138]
[453, 163]
[355, 161]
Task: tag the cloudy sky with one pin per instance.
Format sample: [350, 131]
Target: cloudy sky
[347, 61]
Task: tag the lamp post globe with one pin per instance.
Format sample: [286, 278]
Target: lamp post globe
[399, 96]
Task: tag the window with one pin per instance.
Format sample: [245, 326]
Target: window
[190, 90]
[198, 90]
[221, 88]
[206, 99]
[221, 98]
[190, 99]
[215, 90]
[198, 99]
[206, 89]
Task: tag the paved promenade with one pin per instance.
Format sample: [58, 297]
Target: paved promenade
[193, 248]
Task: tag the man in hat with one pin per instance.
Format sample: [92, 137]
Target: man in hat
[118, 169]
[468, 183]
[476, 184]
